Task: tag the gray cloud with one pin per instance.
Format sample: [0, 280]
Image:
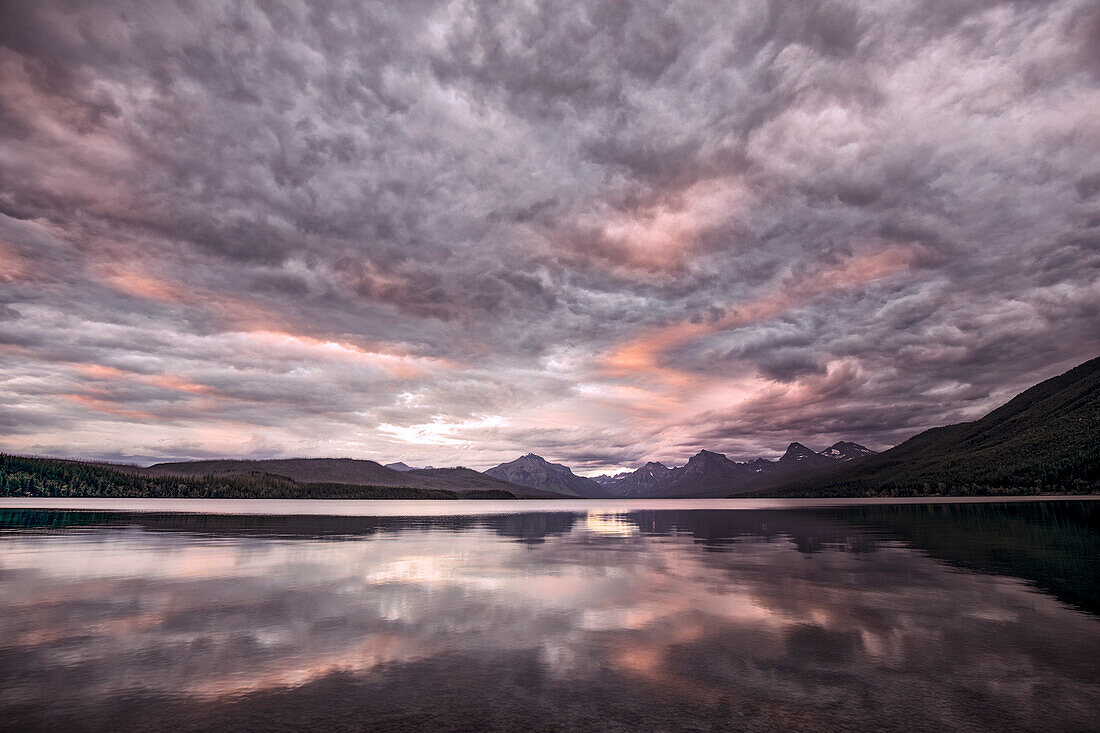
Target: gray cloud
[605, 232]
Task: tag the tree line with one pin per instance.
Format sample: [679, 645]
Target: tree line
[48, 477]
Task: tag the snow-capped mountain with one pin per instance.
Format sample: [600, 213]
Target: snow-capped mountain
[801, 456]
[606, 479]
[640, 482]
[708, 473]
[844, 450]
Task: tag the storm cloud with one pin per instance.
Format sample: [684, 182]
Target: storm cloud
[603, 232]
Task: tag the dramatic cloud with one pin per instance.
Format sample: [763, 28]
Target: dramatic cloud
[603, 232]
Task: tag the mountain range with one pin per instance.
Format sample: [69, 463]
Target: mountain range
[343, 471]
[713, 474]
[529, 476]
[1045, 439]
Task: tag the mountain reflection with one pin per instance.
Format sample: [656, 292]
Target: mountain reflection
[855, 617]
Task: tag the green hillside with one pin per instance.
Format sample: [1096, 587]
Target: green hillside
[1046, 439]
[21, 476]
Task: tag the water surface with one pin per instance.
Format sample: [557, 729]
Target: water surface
[766, 615]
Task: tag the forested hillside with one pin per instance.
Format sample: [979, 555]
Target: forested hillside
[21, 476]
[1046, 439]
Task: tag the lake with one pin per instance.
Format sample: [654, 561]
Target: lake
[549, 615]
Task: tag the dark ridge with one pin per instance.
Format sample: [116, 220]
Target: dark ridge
[1044, 440]
[74, 479]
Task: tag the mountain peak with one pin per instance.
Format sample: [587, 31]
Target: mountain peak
[796, 449]
[538, 473]
[845, 450]
[705, 458]
[801, 455]
[540, 461]
[639, 482]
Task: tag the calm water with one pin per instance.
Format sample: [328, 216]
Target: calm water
[536, 615]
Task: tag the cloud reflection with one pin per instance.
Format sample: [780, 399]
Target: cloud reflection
[609, 524]
[804, 610]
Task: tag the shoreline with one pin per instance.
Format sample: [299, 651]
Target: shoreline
[443, 507]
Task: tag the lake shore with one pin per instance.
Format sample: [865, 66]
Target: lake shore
[432, 507]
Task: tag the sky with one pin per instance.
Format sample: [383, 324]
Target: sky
[451, 233]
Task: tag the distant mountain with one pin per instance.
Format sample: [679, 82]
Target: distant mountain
[328, 470]
[713, 474]
[403, 467]
[609, 480]
[340, 471]
[705, 474]
[538, 473]
[800, 461]
[798, 455]
[846, 451]
[638, 483]
[761, 465]
[1046, 438]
